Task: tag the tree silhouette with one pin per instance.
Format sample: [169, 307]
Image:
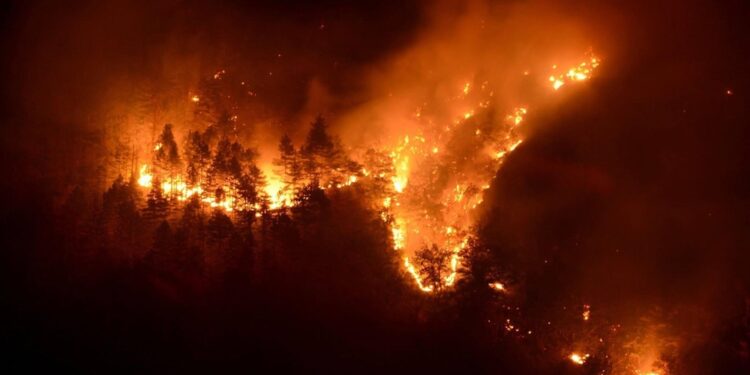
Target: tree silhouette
[289, 166]
[157, 205]
[318, 151]
[433, 264]
[166, 155]
[160, 257]
[198, 156]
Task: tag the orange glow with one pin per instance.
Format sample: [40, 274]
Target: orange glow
[586, 312]
[145, 178]
[451, 229]
[418, 279]
[416, 160]
[277, 197]
[517, 116]
[399, 234]
[497, 286]
[578, 359]
[580, 72]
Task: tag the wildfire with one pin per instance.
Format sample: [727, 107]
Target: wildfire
[517, 116]
[145, 178]
[418, 279]
[581, 72]
[497, 286]
[416, 216]
[277, 196]
[400, 166]
[399, 234]
[415, 155]
[578, 359]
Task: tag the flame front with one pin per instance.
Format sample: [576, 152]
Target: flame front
[441, 215]
[453, 165]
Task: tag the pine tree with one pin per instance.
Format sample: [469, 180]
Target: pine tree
[157, 205]
[247, 188]
[324, 160]
[160, 256]
[119, 216]
[193, 221]
[220, 226]
[218, 171]
[198, 156]
[289, 166]
[318, 151]
[166, 155]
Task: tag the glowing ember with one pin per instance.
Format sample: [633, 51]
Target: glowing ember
[586, 312]
[581, 72]
[410, 268]
[497, 286]
[517, 115]
[578, 359]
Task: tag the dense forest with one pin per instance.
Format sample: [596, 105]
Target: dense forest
[227, 210]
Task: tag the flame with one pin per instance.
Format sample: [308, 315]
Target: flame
[398, 230]
[145, 178]
[412, 224]
[449, 227]
[578, 359]
[278, 197]
[400, 166]
[497, 286]
[417, 278]
[580, 72]
[517, 116]
[415, 216]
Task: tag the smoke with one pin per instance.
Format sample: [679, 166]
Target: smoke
[501, 49]
[624, 197]
[629, 193]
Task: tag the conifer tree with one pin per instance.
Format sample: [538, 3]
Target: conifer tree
[157, 205]
[198, 157]
[289, 165]
[166, 155]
